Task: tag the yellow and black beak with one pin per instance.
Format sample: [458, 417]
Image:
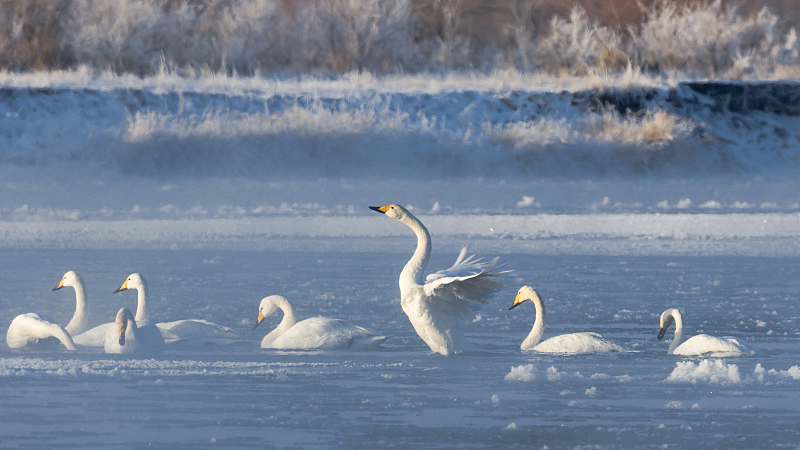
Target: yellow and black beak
[60, 285]
[260, 318]
[124, 287]
[661, 332]
[121, 328]
[517, 302]
[380, 209]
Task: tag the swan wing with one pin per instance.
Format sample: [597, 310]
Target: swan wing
[325, 333]
[705, 345]
[460, 288]
[197, 330]
[30, 327]
[576, 343]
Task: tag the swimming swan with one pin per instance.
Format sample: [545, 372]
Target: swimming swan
[31, 327]
[188, 330]
[700, 345]
[566, 343]
[77, 327]
[437, 306]
[146, 330]
[313, 333]
[128, 338]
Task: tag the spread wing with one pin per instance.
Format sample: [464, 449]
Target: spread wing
[461, 288]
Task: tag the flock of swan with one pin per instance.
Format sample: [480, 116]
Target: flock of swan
[435, 305]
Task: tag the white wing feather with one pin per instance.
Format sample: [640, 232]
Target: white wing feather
[460, 289]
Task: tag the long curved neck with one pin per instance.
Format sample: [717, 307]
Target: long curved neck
[63, 336]
[678, 338]
[80, 321]
[538, 327]
[287, 322]
[411, 276]
[142, 312]
[289, 318]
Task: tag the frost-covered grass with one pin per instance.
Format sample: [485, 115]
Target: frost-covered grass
[704, 39]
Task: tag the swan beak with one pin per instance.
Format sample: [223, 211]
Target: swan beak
[661, 333]
[517, 302]
[380, 209]
[260, 318]
[121, 329]
[123, 287]
[60, 285]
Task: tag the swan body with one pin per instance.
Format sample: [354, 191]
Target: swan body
[573, 343]
[314, 333]
[700, 345]
[438, 305]
[28, 329]
[131, 337]
[188, 330]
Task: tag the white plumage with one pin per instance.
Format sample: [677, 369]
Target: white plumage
[572, 343]
[702, 344]
[130, 337]
[187, 331]
[314, 333]
[28, 329]
[438, 306]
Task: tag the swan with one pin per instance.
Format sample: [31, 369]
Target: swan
[129, 338]
[566, 343]
[80, 321]
[700, 345]
[314, 333]
[29, 328]
[146, 331]
[77, 327]
[187, 330]
[438, 305]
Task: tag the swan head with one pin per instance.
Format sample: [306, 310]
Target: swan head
[69, 279]
[667, 319]
[525, 293]
[394, 211]
[268, 306]
[124, 320]
[134, 281]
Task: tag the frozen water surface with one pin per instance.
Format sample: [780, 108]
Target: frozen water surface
[241, 396]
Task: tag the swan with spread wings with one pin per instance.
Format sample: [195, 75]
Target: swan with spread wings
[437, 305]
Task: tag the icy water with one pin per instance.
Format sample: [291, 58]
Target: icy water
[402, 396]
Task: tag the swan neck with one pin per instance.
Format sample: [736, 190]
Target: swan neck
[411, 276]
[538, 326]
[80, 321]
[142, 313]
[63, 336]
[288, 320]
[678, 338]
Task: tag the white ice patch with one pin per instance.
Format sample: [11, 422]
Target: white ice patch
[530, 373]
[706, 371]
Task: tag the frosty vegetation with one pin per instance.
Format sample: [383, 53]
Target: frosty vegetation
[327, 37]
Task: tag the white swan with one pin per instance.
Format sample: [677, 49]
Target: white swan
[29, 328]
[566, 343]
[77, 327]
[129, 338]
[700, 345]
[438, 306]
[314, 333]
[80, 321]
[194, 331]
[146, 330]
